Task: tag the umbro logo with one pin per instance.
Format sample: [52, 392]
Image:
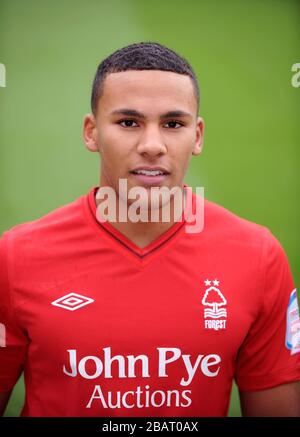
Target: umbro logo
[72, 301]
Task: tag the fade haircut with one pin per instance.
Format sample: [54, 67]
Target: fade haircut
[141, 56]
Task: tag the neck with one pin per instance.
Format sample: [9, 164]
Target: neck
[142, 233]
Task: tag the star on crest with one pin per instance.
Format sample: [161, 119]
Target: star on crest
[216, 282]
[207, 282]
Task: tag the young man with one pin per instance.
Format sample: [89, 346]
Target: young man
[142, 318]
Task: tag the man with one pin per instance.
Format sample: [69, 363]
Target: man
[140, 317]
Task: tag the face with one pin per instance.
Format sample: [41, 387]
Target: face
[146, 129]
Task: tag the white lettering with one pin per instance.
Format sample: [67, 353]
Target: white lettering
[163, 361]
[124, 399]
[82, 367]
[208, 361]
[296, 77]
[97, 394]
[109, 204]
[115, 204]
[215, 324]
[138, 211]
[142, 397]
[108, 360]
[131, 366]
[73, 364]
[190, 369]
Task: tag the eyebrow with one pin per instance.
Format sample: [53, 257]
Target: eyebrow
[133, 113]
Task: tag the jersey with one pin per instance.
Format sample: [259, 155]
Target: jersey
[101, 327]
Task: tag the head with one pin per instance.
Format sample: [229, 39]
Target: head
[145, 102]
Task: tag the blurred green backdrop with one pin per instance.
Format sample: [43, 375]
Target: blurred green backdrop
[242, 53]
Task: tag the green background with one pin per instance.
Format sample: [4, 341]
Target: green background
[242, 53]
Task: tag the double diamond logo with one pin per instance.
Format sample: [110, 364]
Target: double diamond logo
[72, 301]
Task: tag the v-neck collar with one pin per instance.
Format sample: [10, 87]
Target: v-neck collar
[120, 239]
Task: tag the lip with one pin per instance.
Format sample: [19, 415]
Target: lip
[149, 168]
[150, 180]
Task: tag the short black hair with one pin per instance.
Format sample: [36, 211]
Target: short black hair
[141, 56]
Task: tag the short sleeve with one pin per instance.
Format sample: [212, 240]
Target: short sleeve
[13, 342]
[267, 357]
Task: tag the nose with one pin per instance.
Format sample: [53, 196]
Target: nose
[151, 143]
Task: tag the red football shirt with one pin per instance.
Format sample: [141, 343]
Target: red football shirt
[104, 328]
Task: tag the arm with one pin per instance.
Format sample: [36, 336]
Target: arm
[13, 340]
[4, 398]
[268, 361]
[283, 400]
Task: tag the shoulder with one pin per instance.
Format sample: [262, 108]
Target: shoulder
[222, 221]
[41, 230]
[218, 216]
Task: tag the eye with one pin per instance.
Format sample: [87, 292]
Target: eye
[127, 123]
[173, 124]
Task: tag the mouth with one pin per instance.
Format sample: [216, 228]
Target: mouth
[150, 175]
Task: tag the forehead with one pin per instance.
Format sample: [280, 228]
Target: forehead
[148, 90]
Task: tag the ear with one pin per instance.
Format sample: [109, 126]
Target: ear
[90, 133]
[199, 137]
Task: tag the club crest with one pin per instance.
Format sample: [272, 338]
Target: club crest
[215, 312]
